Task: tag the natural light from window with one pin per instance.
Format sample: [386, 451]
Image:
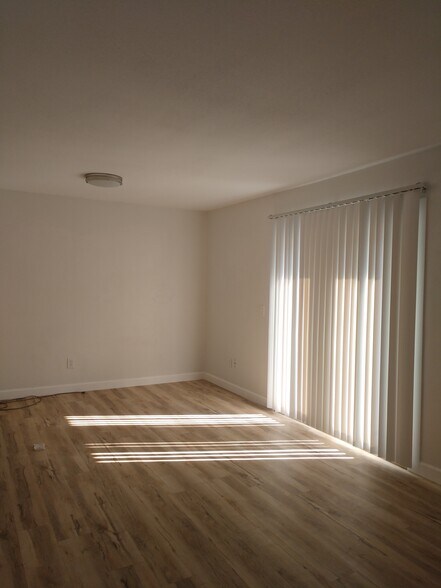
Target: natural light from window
[161, 452]
[174, 420]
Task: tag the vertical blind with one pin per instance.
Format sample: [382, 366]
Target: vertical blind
[342, 320]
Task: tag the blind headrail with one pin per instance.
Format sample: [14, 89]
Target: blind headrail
[420, 186]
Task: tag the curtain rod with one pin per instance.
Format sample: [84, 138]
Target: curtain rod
[413, 188]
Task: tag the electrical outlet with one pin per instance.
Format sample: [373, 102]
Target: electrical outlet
[70, 363]
[234, 362]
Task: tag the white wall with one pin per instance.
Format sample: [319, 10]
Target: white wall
[238, 279]
[118, 287]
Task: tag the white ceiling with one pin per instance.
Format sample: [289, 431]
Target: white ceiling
[202, 103]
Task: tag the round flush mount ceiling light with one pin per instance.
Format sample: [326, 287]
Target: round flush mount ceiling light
[103, 180]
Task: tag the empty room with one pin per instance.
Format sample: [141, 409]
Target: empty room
[220, 293]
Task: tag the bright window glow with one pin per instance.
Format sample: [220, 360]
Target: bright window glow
[174, 420]
[215, 451]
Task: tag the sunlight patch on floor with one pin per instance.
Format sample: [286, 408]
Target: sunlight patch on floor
[173, 420]
[297, 442]
[215, 451]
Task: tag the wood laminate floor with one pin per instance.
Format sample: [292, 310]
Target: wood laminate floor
[188, 485]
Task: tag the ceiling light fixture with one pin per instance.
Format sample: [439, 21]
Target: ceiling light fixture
[103, 180]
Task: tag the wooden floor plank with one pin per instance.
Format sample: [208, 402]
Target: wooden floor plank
[223, 520]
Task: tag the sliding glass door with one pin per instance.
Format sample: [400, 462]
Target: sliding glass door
[342, 320]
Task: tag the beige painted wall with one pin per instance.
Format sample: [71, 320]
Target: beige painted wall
[118, 287]
[238, 279]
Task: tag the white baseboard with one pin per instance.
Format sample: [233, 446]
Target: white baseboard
[430, 472]
[103, 385]
[247, 394]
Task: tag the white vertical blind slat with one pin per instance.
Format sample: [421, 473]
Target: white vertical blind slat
[335, 307]
[340, 327]
[327, 306]
[353, 324]
[348, 284]
[385, 328]
[372, 246]
[319, 316]
[377, 324]
[274, 285]
[301, 330]
[295, 317]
